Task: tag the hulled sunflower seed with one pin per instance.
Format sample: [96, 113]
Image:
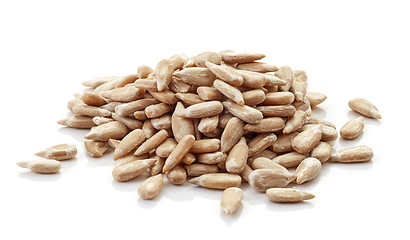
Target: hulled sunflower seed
[232, 133]
[294, 122]
[144, 71]
[165, 96]
[231, 199]
[166, 147]
[159, 164]
[229, 91]
[201, 110]
[225, 73]
[272, 124]
[177, 175]
[158, 110]
[288, 160]
[189, 158]
[263, 179]
[241, 57]
[204, 57]
[315, 98]
[127, 109]
[179, 152]
[198, 169]
[94, 83]
[78, 121]
[352, 129]
[124, 94]
[252, 79]
[92, 99]
[356, 154]
[41, 165]
[129, 142]
[260, 67]
[151, 143]
[284, 143]
[95, 149]
[217, 180]
[237, 158]
[307, 170]
[266, 163]
[206, 146]
[163, 74]
[181, 126]
[151, 187]
[322, 151]
[59, 152]
[260, 143]
[211, 158]
[148, 129]
[364, 107]
[243, 112]
[189, 98]
[210, 94]
[265, 153]
[130, 170]
[277, 111]
[208, 124]
[113, 143]
[199, 76]
[287, 195]
[82, 109]
[130, 122]
[279, 98]
[163, 122]
[305, 141]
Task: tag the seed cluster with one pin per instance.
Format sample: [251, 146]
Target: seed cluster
[220, 118]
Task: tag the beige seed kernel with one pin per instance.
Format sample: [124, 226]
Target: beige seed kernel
[208, 124]
[129, 122]
[352, 129]
[128, 143]
[253, 97]
[307, 170]
[225, 73]
[78, 121]
[241, 57]
[322, 151]
[92, 99]
[265, 153]
[204, 57]
[231, 199]
[165, 96]
[315, 98]
[294, 122]
[113, 143]
[59, 152]
[288, 160]
[260, 143]
[130, 170]
[158, 110]
[178, 86]
[82, 109]
[229, 91]
[232, 133]
[41, 165]
[151, 143]
[217, 180]
[179, 152]
[163, 74]
[201, 110]
[166, 147]
[177, 175]
[259, 67]
[140, 115]
[144, 71]
[199, 76]
[266, 163]
[206, 146]
[237, 157]
[247, 170]
[163, 122]
[252, 79]
[189, 98]
[159, 164]
[124, 94]
[266, 125]
[99, 81]
[305, 141]
[211, 158]
[151, 187]
[243, 112]
[198, 169]
[101, 120]
[277, 111]
[263, 179]
[364, 107]
[287, 195]
[284, 143]
[177, 61]
[210, 94]
[95, 149]
[148, 129]
[278, 98]
[181, 126]
[189, 158]
[356, 154]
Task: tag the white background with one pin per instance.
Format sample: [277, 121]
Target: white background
[348, 49]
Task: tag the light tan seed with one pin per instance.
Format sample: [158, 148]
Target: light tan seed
[252, 79]
[307, 170]
[179, 152]
[178, 86]
[208, 124]
[224, 118]
[129, 142]
[352, 129]
[225, 73]
[163, 122]
[229, 91]
[159, 164]
[78, 121]
[124, 81]
[148, 129]
[206, 146]
[260, 67]
[158, 110]
[59, 152]
[355, 154]
[130, 122]
[181, 126]
[217, 180]
[140, 115]
[312, 120]
[292, 159]
[254, 97]
[133, 169]
[189, 158]
[295, 122]
[131, 158]
[151, 143]
[144, 71]
[99, 81]
[272, 124]
[237, 158]
[231, 134]
[266, 163]
[165, 96]
[305, 141]
[285, 73]
[189, 98]
[210, 94]
[212, 57]
[124, 94]
[298, 89]
[41, 165]
[265, 153]
[303, 105]
[328, 133]
[323, 151]
[284, 143]
[92, 99]
[163, 74]
[148, 84]
[245, 113]
[106, 86]
[272, 81]
[113, 143]
[151, 187]
[260, 143]
[279, 98]
[101, 120]
[198, 169]
[315, 98]
[82, 109]
[277, 111]
[95, 149]
[300, 75]
[131, 107]
[216, 133]
[199, 76]
[211, 158]
[177, 175]
[247, 170]
[166, 147]
[263, 179]
[202, 110]
[364, 107]
[231, 199]
[241, 57]
[287, 195]
[177, 61]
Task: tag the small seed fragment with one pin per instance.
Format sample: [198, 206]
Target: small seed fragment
[355, 154]
[41, 165]
[58, 152]
[287, 195]
[352, 129]
[217, 180]
[307, 170]
[364, 107]
[151, 187]
[231, 199]
[95, 149]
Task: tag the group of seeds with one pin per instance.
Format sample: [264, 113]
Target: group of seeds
[217, 118]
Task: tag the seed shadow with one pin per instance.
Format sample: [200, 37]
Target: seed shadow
[351, 143]
[69, 163]
[131, 185]
[288, 207]
[178, 193]
[38, 177]
[367, 121]
[348, 166]
[319, 113]
[149, 204]
[231, 218]
[105, 160]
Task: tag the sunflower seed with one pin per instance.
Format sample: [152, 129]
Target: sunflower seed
[78, 121]
[129, 142]
[243, 112]
[364, 107]
[307, 170]
[92, 99]
[231, 199]
[165, 96]
[204, 57]
[278, 98]
[144, 71]
[229, 91]
[241, 57]
[277, 111]
[237, 158]
[189, 98]
[41, 165]
[361, 153]
[254, 97]
[59, 152]
[95, 149]
[163, 74]
[206, 146]
[130, 170]
[124, 94]
[263, 179]
[166, 147]
[198, 169]
[211, 158]
[200, 76]
[94, 83]
[315, 98]
[291, 159]
[225, 73]
[287, 195]
[177, 175]
[260, 67]
[260, 143]
[284, 143]
[305, 141]
[322, 151]
[151, 187]
[217, 180]
[352, 129]
[151, 143]
[179, 152]
[272, 124]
